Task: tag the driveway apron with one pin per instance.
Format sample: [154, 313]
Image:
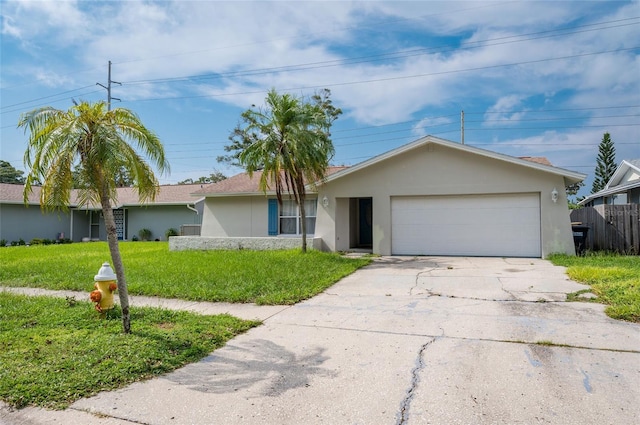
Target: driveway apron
[405, 340]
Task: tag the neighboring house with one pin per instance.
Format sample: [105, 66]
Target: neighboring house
[173, 207]
[429, 197]
[622, 188]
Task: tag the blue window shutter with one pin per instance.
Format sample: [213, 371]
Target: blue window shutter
[273, 217]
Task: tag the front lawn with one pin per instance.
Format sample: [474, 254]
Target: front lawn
[262, 277]
[615, 279]
[55, 351]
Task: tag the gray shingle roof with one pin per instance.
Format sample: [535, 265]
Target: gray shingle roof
[127, 196]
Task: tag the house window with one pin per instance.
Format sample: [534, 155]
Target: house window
[290, 220]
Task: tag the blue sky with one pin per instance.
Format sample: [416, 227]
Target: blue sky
[541, 78]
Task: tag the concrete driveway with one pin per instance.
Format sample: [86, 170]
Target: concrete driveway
[405, 341]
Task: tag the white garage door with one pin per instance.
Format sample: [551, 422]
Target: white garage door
[474, 225]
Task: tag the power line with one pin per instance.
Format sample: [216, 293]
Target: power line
[554, 119]
[404, 77]
[53, 101]
[44, 97]
[384, 56]
[393, 55]
[375, 25]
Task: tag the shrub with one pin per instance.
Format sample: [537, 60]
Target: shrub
[21, 242]
[36, 241]
[47, 241]
[171, 232]
[3, 243]
[134, 239]
[145, 234]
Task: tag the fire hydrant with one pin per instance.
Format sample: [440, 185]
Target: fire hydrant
[105, 284]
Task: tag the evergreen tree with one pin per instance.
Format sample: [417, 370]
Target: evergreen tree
[8, 174]
[606, 163]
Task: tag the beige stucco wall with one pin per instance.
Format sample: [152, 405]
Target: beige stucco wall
[438, 170]
[237, 216]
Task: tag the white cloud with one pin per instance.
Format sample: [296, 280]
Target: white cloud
[172, 39]
[9, 27]
[60, 21]
[160, 40]
[507, 110]
[427, 125]
[48, 78]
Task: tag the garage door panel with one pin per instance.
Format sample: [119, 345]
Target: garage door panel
[481, 225]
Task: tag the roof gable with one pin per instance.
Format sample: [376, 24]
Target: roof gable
[628, 171]
[537, 163]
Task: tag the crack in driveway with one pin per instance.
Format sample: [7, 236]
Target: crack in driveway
[416, 282]
[403, 414]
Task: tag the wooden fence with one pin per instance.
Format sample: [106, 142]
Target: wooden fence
[611, 227]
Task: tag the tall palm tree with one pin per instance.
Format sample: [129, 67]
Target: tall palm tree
[289, 140]
[102, 144]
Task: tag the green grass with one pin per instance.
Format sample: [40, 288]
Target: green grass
[615, 279]
[262, 277]
[54, 351]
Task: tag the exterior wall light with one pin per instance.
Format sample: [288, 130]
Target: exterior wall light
[325, 202]
[554, 195]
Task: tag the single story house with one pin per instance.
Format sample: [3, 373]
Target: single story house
[429, 197]
[173, 207]
[622, 188]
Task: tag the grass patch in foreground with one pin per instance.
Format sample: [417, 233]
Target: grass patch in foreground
[615, 279]
[262, 277]
[54, 352]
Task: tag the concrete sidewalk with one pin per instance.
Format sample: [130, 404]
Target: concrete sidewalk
[402, 341]
[242, 311]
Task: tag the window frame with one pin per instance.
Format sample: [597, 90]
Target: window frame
[298, 219]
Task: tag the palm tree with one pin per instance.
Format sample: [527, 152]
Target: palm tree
[289, 140]
[102, 144]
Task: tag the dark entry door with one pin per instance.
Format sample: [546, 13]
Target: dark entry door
[365, 228]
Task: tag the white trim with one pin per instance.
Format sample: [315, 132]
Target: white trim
[570, 176]
[612, 191]
[620, 171]
[298, 219]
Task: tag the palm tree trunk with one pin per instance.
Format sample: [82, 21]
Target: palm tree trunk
[303, 217]
[114, 249]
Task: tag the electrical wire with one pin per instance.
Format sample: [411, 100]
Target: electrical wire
[378, 57]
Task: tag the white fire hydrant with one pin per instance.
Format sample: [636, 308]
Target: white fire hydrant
[105, 284]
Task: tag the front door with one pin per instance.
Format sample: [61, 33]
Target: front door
[365, 228]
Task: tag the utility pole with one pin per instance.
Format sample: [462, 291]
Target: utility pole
[108, 87]
[462, 127]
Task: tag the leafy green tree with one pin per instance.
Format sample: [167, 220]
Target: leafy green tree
[122, 178]
[8, 174]
[213, 178]
[605, 163]
[574, 188]
[102, 143]
[290, 141]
